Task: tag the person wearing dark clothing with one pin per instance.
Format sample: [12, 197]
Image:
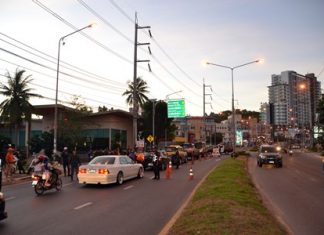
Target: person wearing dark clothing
[66, 161]
[75, 163]
[176, 159]
[20, 164]
[156, 166]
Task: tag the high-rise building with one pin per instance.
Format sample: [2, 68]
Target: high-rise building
[294, 98]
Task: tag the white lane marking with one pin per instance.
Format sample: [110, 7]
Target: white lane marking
[10, 198]
[64, 185]
[83, 205]
[152, 177]
[128, 187]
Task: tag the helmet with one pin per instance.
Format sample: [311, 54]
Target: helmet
[41, 158]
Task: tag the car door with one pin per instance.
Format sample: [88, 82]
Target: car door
[133, 168]
[124, 166]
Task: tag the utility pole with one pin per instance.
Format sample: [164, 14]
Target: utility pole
[135, 94]
[204, 104]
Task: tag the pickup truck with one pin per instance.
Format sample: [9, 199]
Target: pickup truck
[171, 150]
[192, 151]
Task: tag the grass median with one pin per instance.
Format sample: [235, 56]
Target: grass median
[227, 203]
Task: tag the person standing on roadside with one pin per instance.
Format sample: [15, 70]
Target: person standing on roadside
[75, 163]
[66, 161]
[10, 163]
[156, 165]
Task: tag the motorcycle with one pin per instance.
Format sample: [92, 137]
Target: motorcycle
[290, 153]
[39, 179]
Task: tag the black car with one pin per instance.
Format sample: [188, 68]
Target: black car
[3, 213]
[269, 154]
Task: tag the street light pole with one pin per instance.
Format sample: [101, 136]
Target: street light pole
[57, 80]
[233, 109]
[153, 120]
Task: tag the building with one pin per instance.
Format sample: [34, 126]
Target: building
[293, 100]
[100, 130]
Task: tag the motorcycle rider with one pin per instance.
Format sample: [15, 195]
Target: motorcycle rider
[43, 166]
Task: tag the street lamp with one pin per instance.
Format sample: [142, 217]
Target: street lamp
[233, 110]
[153, 120]
[61, 40]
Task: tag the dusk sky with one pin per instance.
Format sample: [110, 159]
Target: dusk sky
[287, 34]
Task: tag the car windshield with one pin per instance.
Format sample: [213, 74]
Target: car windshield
[268, 149]
[103, 160]
[186, 146]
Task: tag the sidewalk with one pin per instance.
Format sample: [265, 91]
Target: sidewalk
[15, 178]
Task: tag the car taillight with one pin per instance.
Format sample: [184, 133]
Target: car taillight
[103, 171]
[83, 171]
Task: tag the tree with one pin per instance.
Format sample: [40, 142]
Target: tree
[320, 111]
[162, 122]
[320, 121]
[16, 107]
[102, 109]
[72, 125]
[141, 90]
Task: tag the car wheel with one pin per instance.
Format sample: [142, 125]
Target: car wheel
[120, 178]
[140, 173]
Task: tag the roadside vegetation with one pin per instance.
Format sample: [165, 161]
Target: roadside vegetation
[227, 203]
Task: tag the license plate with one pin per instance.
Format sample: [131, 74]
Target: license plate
[272, 162]
[91, 171]
[150, 164]
[34, 182]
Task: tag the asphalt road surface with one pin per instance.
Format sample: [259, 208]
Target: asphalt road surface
[295, 193]
[140, 206]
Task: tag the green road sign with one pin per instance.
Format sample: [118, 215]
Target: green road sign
[176, 108]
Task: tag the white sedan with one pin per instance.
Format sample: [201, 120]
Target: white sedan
[109, 169]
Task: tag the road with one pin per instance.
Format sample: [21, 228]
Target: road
[141, 206]
[295, 193]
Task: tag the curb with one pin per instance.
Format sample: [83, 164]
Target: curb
[165, 230]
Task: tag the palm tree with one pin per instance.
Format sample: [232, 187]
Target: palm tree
[141, 89]
[16, 107]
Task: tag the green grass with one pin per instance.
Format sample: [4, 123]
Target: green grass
[227, 203]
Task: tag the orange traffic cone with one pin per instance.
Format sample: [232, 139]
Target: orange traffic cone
[191, 175]
[168, 170]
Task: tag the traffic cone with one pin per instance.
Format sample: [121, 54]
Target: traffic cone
[168, 170]
[191, 175]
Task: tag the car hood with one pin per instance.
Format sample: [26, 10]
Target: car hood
[270, 154]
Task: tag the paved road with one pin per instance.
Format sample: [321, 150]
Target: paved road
[295, 192]
[137, 207]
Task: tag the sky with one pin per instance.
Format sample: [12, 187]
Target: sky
[97, 64]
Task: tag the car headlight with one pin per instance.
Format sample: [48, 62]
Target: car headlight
[1, 196]
[262, 156]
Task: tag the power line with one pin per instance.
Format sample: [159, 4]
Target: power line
[68, 93]
[154, 40]
[129, 40]
[47, 75]
[50, 68]
[85, 72]
[84, 34]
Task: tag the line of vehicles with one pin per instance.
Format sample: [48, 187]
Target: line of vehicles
[109, 169]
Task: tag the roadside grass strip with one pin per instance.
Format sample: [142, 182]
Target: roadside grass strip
[227, 202]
